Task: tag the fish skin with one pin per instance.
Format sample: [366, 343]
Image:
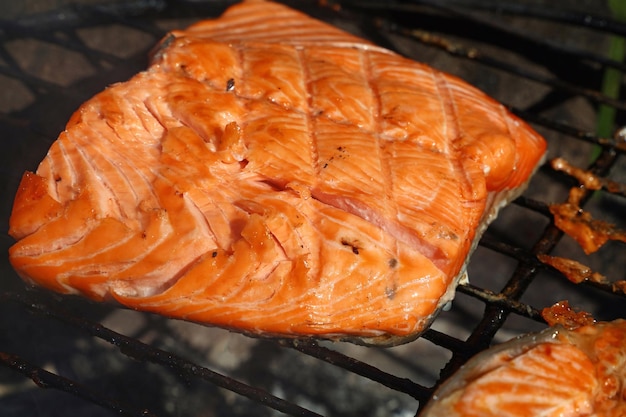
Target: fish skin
[274, 175]
[554, 373]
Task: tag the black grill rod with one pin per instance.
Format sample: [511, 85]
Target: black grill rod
[35, 85]
[444, 340]
[10, 30]
[475, 55]
[552, 235]
[312, 348]
[573, 18]
[129, 20]
[526, 257]
[46, 379]
[495, 315]
[72, 43]
[570, 17]
[500, 300]
[612, 144]
[532, 204]
[71, 16]
[138, 350]
[519, 254]
[538, 42]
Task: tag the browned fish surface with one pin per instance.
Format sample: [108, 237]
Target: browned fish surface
[556, 373]
[272, 174]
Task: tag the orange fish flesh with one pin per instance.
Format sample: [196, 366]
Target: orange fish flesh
[555, 373]
[274, 175]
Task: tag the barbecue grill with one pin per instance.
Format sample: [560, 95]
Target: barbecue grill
[69, 356]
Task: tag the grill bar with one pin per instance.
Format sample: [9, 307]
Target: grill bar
[456, 49]
[311, 348]
[71, 16]
[501, 301]
[612, 144]
[495, 315]
[461, 9]
[473, 54]
[46, 379]
[589, 20]
[140, 351]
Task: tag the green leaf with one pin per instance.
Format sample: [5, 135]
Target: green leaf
[612, 79]
[618, 9]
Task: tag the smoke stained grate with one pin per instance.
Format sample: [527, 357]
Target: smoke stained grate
[104, 361]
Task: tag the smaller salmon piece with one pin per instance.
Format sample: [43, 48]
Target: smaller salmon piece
[554, 373]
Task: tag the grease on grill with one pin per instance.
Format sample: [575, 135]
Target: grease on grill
[576, 272]
[591, 234]
[588, 179]
[562, 314]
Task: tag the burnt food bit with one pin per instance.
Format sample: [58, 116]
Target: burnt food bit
[230, 84]
[390, 292]
[353, 244]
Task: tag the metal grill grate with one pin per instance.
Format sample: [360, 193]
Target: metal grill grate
[546, 64]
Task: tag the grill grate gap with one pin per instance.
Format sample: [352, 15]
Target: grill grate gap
[137, 350]
[46, 379]
[473, 54]
[574, 18]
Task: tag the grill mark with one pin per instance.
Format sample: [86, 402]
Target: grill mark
[310, 118]
[389, 204]
[151, 197]
[68, 177]
[315, 274]
[92, 174]
[450, 113]
[511, 133]
[201, 219]
[122, 158]
[130, 185]
[451, 117]
[143, 113]
[454, 135]
[240, 61]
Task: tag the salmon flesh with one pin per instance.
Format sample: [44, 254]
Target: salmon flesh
[274, 175]
[555, 373]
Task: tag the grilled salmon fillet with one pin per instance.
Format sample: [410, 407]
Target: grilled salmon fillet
[556, 373]
[272, 174]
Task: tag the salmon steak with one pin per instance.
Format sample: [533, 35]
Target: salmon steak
[559, 372]
[274, 175]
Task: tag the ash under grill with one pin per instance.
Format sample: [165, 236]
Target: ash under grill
[547, 64]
